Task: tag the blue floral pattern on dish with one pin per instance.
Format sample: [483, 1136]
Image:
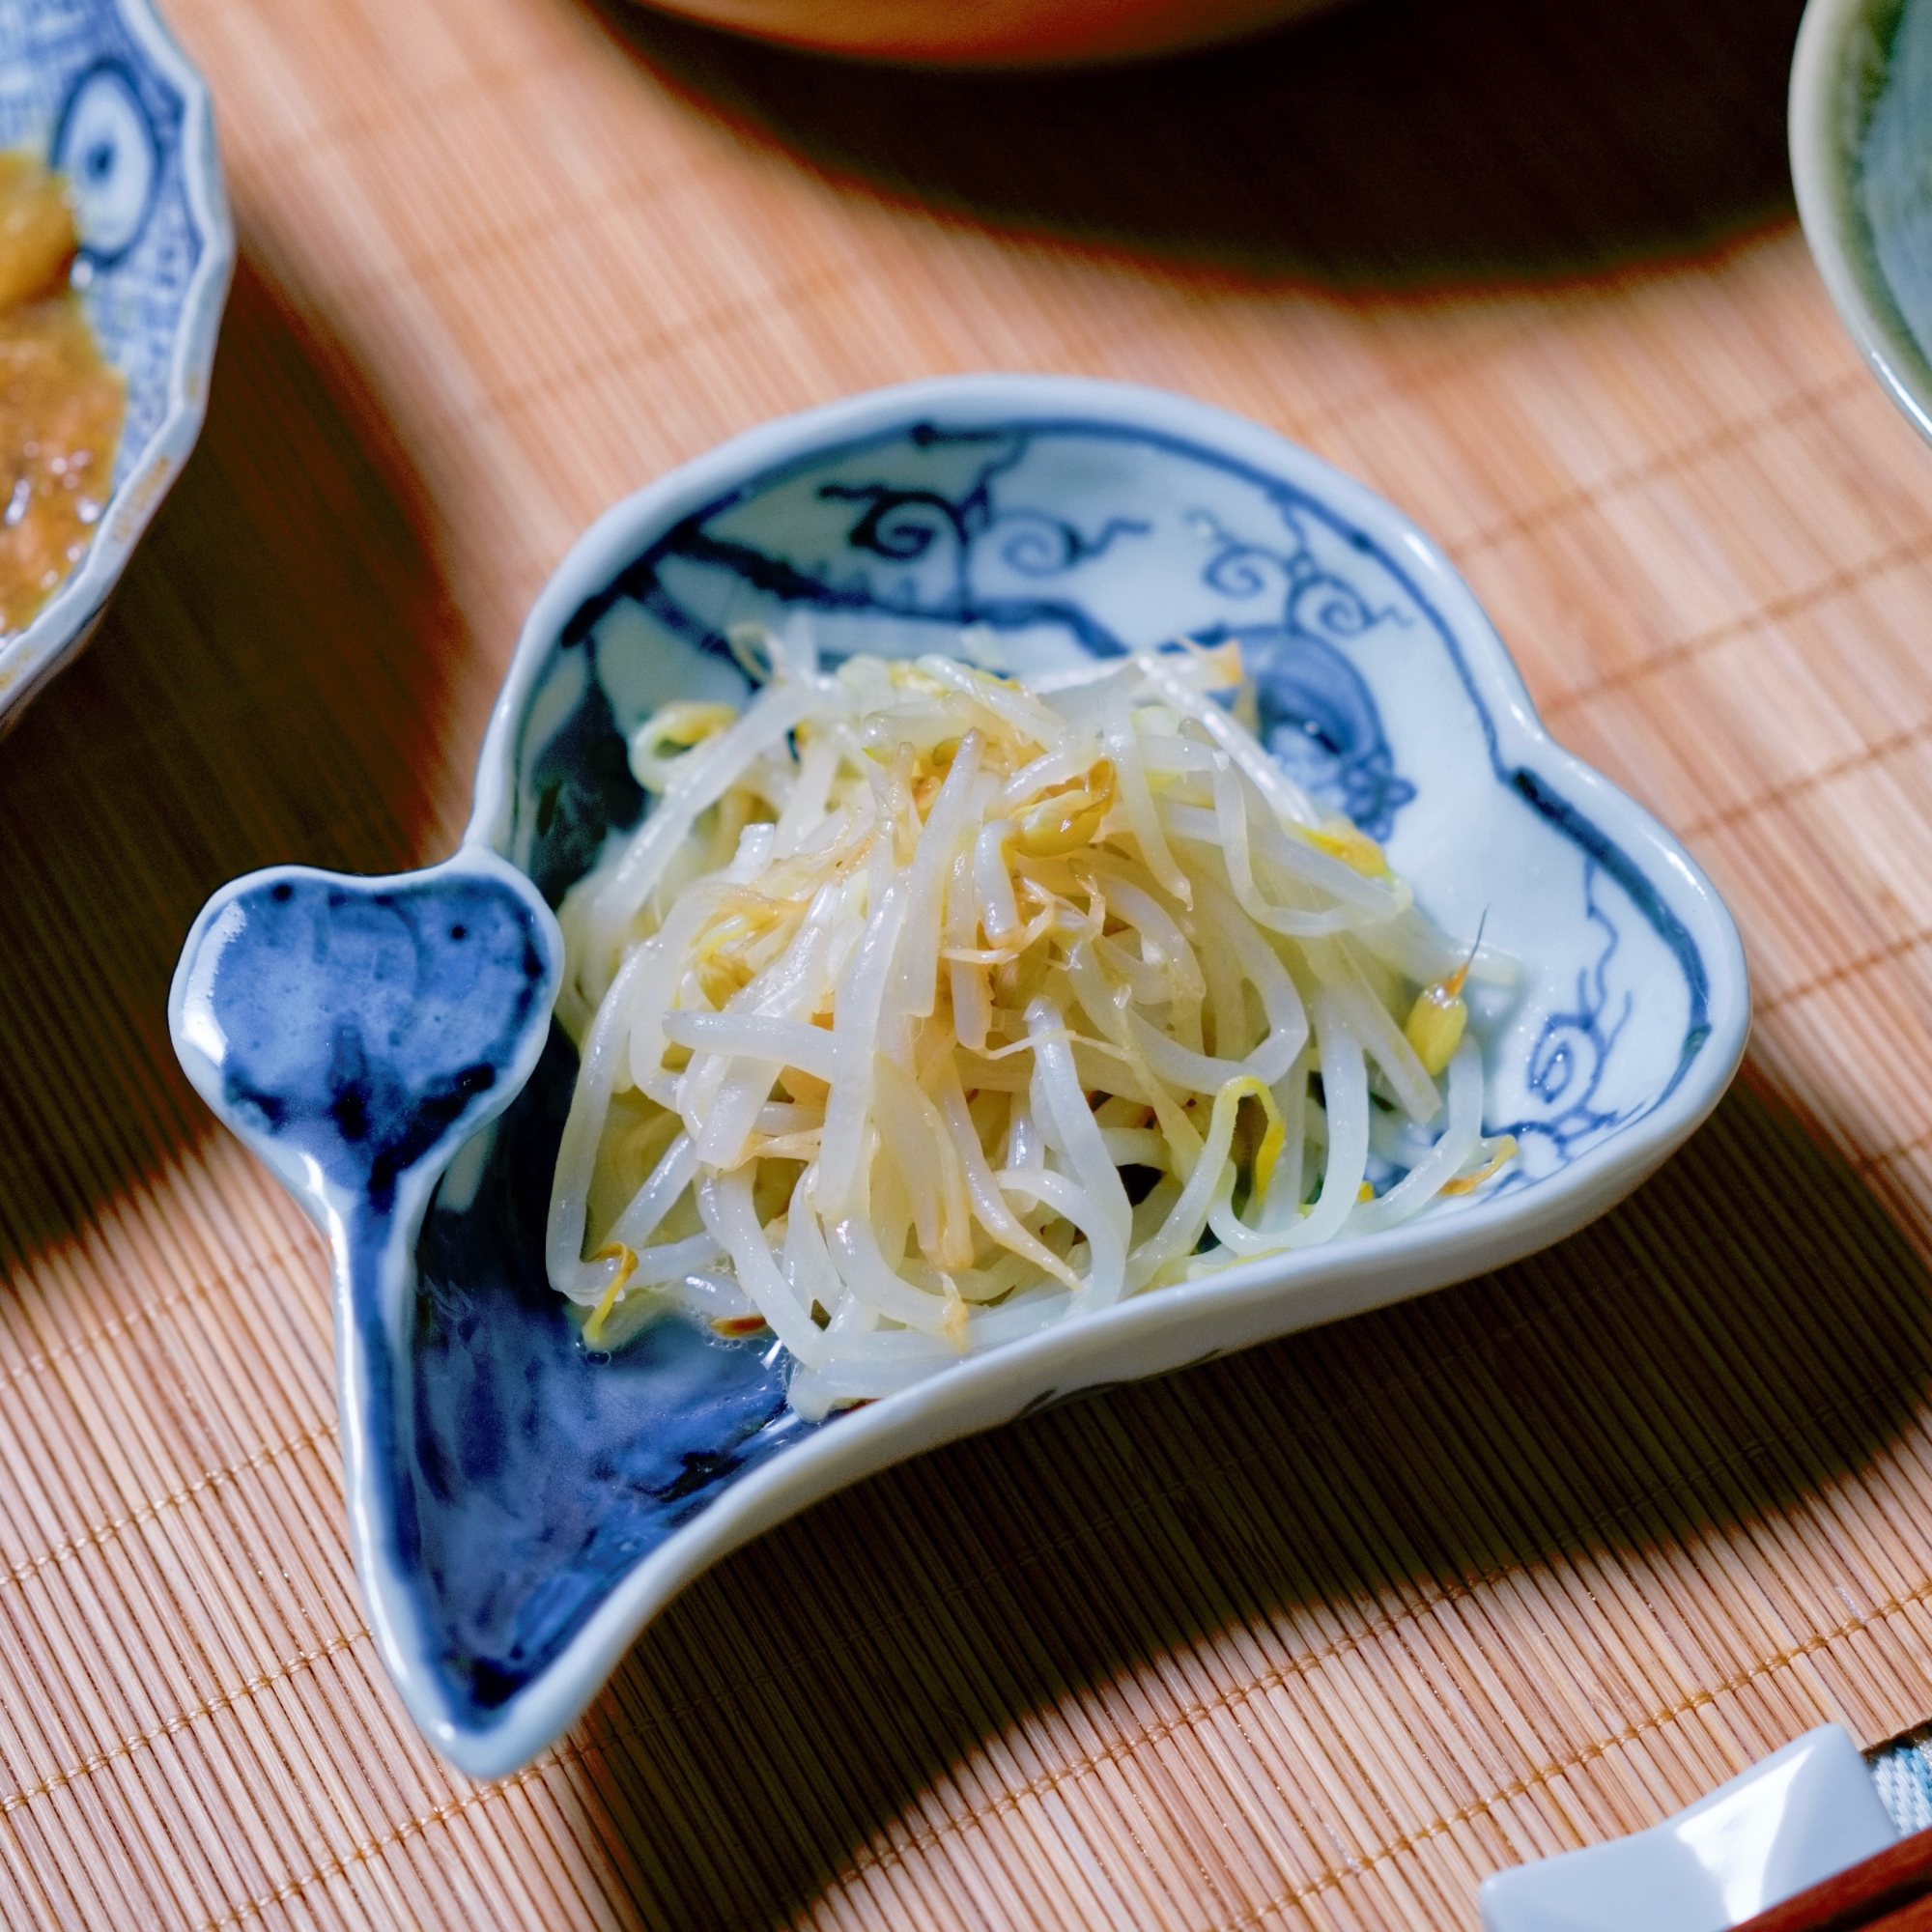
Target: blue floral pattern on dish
[908, 541]
[961, 548]
[1566, 1064]
[515, 1482]
[77, 86]
[1314, 713]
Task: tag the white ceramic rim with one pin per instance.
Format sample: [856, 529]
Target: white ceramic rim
[66, 623]
[1250, 1304]
[1822, 160]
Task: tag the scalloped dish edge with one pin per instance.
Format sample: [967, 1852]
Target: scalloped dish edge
[1148, 1335]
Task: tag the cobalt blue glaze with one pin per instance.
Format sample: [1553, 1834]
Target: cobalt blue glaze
[582, 790]
[366, 1026]
[544, 1471]
[361, 1025]
[1319, 720]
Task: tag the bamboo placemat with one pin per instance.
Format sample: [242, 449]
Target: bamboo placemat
[1313, 1636]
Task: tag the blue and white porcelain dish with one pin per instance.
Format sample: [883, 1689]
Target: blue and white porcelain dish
[101, 90]
[519, 1509]
[1860, 127]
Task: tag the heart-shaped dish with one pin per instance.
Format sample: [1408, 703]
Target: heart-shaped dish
[519, 1508]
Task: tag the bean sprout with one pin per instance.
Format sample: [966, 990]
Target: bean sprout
[925, 1010]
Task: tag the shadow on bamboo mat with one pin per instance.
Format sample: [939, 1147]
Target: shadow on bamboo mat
[1746, 1333]
[1396, 144]
[268, 685]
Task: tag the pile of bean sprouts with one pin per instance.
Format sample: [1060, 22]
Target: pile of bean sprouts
[925, 1008]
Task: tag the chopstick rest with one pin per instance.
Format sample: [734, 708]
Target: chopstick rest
[1804, 1813]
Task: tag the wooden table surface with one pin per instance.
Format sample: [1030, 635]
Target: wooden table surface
[1315, 1636]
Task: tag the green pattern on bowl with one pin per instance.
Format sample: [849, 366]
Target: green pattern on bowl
[1861, 162]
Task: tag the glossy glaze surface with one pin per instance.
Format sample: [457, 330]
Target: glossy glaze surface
[519, 1507]
[544, 1470]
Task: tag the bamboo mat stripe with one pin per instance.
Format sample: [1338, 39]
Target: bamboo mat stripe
[1315, 1636]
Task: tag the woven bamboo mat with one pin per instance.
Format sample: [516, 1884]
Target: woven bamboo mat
[1313, 1636]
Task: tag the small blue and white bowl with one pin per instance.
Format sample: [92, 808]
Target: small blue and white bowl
[101, 90]
[1861, 129]
[519, 1509]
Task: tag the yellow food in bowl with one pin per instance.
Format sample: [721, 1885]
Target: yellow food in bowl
[61, 405]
